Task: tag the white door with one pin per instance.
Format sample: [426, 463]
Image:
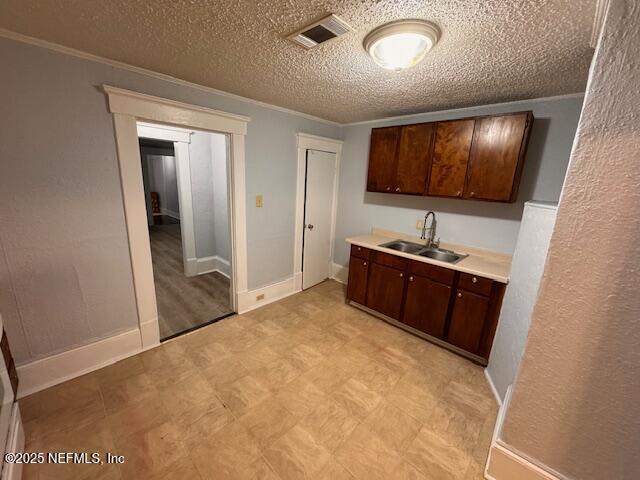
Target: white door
[318, 208]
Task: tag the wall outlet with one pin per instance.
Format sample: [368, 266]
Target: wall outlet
[260, 297]
[419, 224]
[259, 201]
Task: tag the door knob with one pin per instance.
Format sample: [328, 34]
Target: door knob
[310, 227]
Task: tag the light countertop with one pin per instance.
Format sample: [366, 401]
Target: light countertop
[483, 263]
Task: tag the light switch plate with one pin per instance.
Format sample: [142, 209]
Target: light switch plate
[259, 201]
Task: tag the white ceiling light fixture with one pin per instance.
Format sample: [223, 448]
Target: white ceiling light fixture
[401, 44]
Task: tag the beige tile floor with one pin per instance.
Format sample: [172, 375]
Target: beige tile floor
[307, 387]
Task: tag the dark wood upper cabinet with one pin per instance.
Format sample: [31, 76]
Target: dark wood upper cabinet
[385, 290]
[383, 159]
[497, 157]
[357, 283]
[414, 153]
[477, 158]
[467, 320]
[426, 305]
[450, 158]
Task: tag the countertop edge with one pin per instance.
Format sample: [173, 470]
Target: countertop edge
[450, 266]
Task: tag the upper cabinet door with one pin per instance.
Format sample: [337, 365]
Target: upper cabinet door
[497, 157]
[450, 158]
[414, 155]
[383, 159]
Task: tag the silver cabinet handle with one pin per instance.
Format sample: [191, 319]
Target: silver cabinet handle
[364, 264]
[359, 248]
[401, 275]
[472, 194]
[388, 189]
[397, 189]
[458, 193]
[411, 278]
[474, 280]
[459, 295]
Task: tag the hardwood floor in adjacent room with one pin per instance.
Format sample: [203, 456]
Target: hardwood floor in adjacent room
[306, 387]
[183, 302]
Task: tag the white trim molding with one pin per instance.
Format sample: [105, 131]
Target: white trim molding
[506, 463]
[340, 273]
[130, 107]
[50, 371]
[306, 142]
[210, 264]
[249, 300]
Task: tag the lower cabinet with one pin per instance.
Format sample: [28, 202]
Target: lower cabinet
[357, 286]
[457, 308]
[385, 289]
[467, 320]
[426, 305]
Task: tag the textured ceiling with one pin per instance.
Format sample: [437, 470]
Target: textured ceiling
[490, 50]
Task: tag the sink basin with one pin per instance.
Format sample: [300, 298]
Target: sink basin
[404, 247]
[417, 249]
[442, 255]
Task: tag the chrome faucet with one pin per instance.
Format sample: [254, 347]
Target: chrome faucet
[430, 242]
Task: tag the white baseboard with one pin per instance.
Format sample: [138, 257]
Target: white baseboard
[50, 371]
[213, 264]
[340, 273]
[506, 463]
[170, 213]
[248, 301]
[493, 388]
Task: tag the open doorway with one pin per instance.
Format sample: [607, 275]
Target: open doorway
[185, 178]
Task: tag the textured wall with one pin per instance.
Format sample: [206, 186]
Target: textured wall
[521, 295]
[482, 224]
[65, 272]
[575, 404]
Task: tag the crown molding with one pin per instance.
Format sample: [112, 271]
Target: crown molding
[466, 109]
[4, 33]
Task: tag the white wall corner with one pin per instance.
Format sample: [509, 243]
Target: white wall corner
[213, 264]
[248, 300]
[492, 386]
[340, 273]
[50, 371]
[506, 463]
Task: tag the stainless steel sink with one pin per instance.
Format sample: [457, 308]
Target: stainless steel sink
[404, 247]
[439, 254]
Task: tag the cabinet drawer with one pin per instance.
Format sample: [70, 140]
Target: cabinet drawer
[475, 284]
[360, 252]
[389, 260]
[433, 272]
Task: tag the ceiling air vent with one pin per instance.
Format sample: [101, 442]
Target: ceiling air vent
[321, 31]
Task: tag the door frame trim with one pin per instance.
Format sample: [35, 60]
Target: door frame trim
[306, 142]
[128, 107]
[181, 138]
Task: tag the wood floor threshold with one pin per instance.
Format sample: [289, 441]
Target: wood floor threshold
[196, 327]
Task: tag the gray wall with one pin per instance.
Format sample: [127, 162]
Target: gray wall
[162, 179]
[220, 197]
[201, 166]
[65, 273]
[487, 225]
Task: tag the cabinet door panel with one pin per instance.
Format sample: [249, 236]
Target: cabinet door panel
[450, 158]
[495, 156]
[426, 305]
[357, 283]
[385, 290]
[467, 320]
[382, 159]
[414, 154]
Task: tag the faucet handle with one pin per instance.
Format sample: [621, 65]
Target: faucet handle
[436, 244]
